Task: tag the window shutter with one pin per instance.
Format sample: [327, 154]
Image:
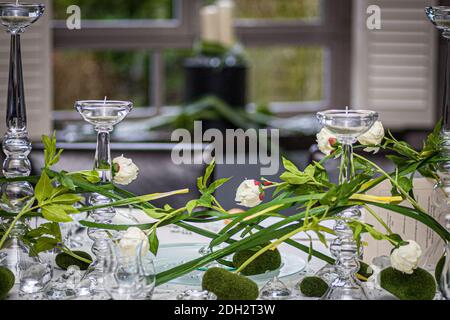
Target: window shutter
[395, 68]
[36, 54]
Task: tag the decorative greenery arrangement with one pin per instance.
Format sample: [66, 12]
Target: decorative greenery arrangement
[309, 191]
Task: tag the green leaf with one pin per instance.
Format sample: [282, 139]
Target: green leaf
[45, 244]
[289, 166]
[295, 179]
[44, 188]
[154, 242]
[67, 198]
[55, 213]
[217, 184]
[208, 172]
[191, 206]
[65, 180]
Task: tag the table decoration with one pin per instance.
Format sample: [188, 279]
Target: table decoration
[103, 115]
[315, 198]
[29, 270]
[347, 126]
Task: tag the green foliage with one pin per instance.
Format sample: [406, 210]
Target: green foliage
[64, 260]
[207, 200]
[313, 287]
[7, 280]
[229, 286]
[51, 154]
[268, 261]
[417, 286]
[364, 270]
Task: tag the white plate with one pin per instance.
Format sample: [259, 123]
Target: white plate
[172, 255]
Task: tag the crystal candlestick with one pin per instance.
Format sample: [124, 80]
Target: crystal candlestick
[347, 126]
[440, 17]
[103, 115]
[16, 145]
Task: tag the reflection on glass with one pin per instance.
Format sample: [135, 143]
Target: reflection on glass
[121, 9]
[277, 9]
[117, 75]
[286, 74]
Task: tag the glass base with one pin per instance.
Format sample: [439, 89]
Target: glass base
[31, 274]
[275, 290]
[345, 290]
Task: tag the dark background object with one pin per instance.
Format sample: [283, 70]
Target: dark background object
[206, 76]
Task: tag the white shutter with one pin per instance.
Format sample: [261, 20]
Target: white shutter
[394, 68]
[36, 58]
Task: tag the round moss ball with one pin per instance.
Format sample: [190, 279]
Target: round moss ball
[364, 270]
[420, 285]
[313, 287]
[229, 286]
[7, 280]
[268, 261]
[63, 260]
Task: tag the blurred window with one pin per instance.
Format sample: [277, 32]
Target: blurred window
[134, 49]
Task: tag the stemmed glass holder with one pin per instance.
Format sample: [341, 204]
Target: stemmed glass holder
[440, 17]
[16, 143]
[104, 115]
[346, 125]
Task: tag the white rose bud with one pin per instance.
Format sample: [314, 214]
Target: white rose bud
[406, 258]
[326, 141]
[249, 194]
[125, 171]
[131, 240]
[373, 137]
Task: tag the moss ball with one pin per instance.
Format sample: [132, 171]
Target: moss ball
[313, 287]
[420, 285]
[7, 280]
[63, 260]
[229, 286]
[268, 261]
[364, 270]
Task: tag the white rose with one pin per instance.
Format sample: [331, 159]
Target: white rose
[406, 258]
[325, 141]
[373, 137]
[249, 194]
[131, 240]
[125, 171]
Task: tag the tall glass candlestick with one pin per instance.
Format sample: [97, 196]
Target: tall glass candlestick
[29, 271]
[104, 115]
[440, 17]
[347, 126]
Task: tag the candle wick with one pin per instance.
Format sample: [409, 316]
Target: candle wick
[104, 102]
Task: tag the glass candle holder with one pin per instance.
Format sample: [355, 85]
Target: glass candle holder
[103, 115]
[347, 126]
[16, 18]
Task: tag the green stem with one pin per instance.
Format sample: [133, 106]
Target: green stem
[74, 255]
[399, 188]
[16, 219]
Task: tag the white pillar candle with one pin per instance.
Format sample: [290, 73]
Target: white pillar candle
[226, 19]
[209, 23]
